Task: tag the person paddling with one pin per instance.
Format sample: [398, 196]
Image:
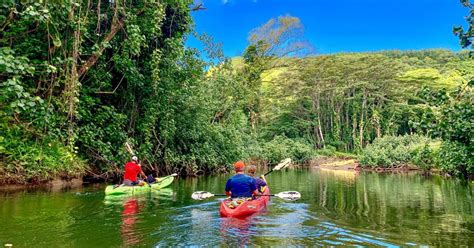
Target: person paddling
[240, 185]
[260, 182]
[132, 169]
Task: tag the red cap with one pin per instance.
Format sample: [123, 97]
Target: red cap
[239, 166]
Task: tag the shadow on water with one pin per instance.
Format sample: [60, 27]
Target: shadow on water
[337, 208]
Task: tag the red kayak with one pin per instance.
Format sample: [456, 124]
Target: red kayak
[246, 208]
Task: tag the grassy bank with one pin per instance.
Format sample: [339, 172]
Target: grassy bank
[26, 158]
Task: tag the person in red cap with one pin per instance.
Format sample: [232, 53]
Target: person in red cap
[240, 185]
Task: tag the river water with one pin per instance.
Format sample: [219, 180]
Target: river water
[337, 208]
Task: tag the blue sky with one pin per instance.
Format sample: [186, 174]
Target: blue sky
[338, 25]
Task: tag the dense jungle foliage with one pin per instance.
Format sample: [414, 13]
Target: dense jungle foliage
[343, 102]
[81, 78]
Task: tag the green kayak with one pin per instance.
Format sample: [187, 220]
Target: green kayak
[164, 194]
[134, 190]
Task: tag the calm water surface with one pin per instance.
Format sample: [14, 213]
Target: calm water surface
[337, 208]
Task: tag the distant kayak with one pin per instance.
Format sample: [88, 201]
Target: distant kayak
[246, 208]
[134, 190]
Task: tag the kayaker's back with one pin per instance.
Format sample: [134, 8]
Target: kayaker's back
[241, 185]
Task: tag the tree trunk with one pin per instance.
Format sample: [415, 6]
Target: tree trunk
[347, 127]
[253, 120]
[70, 92]
[317, 108]
[331, 120]
[379, 132]
[361, 125]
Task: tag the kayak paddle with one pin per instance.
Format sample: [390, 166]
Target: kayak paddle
[129, 149]
[283, 164]
[286, 195]
[172, 175]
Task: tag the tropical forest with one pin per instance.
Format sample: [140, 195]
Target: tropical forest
[372, 147]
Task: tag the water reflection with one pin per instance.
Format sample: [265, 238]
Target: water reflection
[396, 206]
[237, 231]
[166, 194]
[336, 209]
[346, 175]
[135, 212]
[129, 218]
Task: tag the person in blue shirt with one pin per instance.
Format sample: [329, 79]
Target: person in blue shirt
[240, 185]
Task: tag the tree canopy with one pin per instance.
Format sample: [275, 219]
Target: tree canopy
[81, 78]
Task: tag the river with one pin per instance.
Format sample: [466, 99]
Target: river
[336, 208]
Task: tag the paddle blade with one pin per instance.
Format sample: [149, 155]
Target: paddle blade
[173, 175]
[201, 195]
[289, 195]
[128, 148]
[283, 164]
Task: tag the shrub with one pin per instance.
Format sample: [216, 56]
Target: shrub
[393, 151]
[455, 159]
[282, 147]
[301, 151]
[328, 151]
[426, 156]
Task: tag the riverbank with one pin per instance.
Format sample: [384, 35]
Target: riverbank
[336, 163]
[55, 184]
[350, 164]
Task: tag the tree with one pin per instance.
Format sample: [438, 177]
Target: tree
[270, 47]
[280, 37]
[347, 100]
[466, 37]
